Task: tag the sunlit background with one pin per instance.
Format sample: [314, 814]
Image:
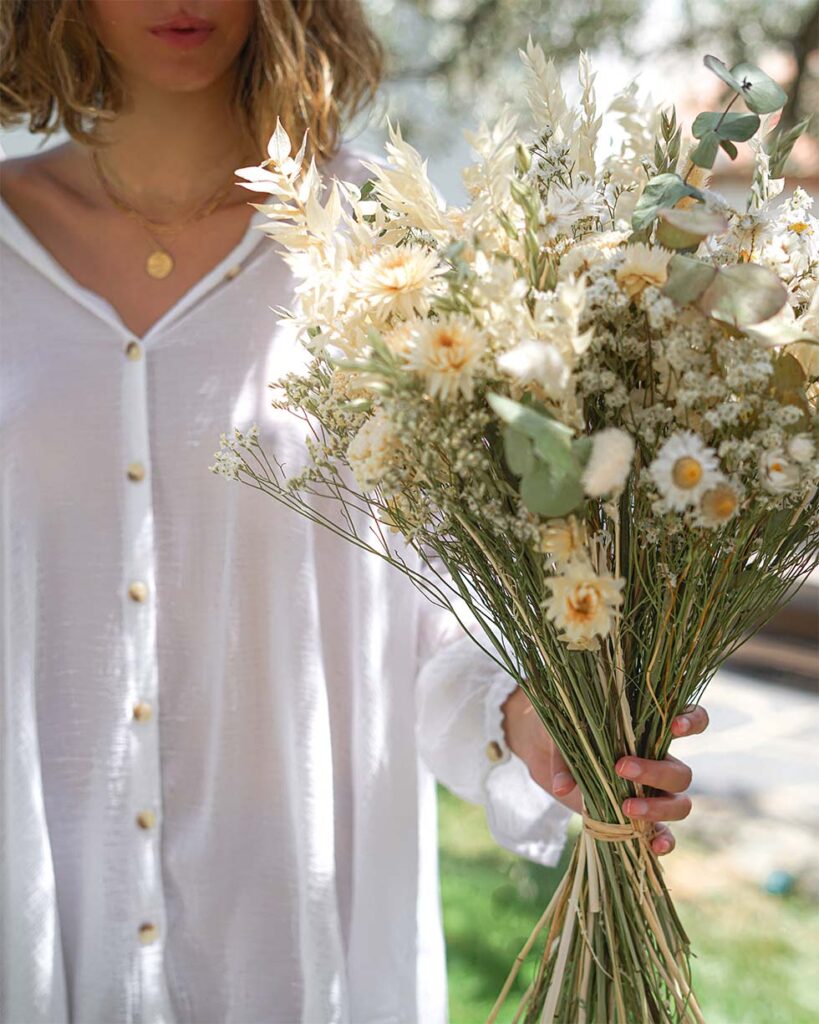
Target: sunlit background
[746, 872]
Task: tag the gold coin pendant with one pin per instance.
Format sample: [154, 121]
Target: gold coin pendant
[159, 264]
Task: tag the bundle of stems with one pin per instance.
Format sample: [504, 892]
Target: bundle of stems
[610, 945]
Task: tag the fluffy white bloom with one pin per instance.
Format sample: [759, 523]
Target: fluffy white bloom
[643, 265]
[718, 504]
[609, 463]
[539, 362]
[683, 469]
[557, 214]
[397, 279]
[583, 604]
[778, 475]
[446, 353]
[591, 250]
[372, 450]
[801, 448]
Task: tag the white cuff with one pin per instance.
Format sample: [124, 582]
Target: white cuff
[460, 737]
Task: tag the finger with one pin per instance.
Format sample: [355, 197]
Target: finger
[658, 808]
[671, 775]
[562, 780]
[692, 721]
[663, 841]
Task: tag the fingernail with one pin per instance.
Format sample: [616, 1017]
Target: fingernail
[630, 769]
[662, 846]
[634, 808]
[683, 723]
[562, 781]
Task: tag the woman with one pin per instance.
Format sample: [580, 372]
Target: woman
[213, 805]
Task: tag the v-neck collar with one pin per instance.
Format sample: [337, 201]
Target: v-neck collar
[26, 244]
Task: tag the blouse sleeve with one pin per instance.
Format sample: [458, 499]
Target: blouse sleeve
[461, 691]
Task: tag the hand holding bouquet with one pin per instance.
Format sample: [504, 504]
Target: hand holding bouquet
[588, 402]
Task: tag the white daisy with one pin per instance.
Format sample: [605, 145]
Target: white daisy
[683, 469]
[446, 353]
[718, 504]
[397, 279]
[583, 604]
[609, 463]
[643, 265]
[778, 474]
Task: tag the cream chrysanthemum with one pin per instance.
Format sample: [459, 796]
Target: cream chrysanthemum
[446, 353]
[583, 605]
[718, 505]
[642, 265]
[563, 539]
[683, 469]
[372, 451]
[609, 463]
[397, 279]
[777, 472]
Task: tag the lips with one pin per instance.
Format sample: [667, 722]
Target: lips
[183, 23]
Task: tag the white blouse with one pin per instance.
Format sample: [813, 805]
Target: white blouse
[213, 807]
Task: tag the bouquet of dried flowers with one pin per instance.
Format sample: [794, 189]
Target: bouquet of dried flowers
[587, 403]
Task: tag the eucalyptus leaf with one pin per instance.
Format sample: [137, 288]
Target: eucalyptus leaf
[685, 229]
[663, 190]
[688, 278]
[706, 152]
[581, 449]
[554, 451]
[729, 148]
[761, 93]
[545, 494]
[743, 295]
[517, 448]
[737, 127]
[528, 420]
[788, 374]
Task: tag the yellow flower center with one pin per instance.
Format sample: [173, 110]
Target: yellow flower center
[687, 473]
[720, 503]
[776, 467]
[799, 227]
[583, 604]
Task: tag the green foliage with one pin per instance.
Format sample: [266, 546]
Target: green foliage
[759, 91]
[739, 127]
[685, 229]
[779, 145]
[741, 295]
[663, 190]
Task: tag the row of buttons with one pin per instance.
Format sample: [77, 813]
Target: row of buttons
[142, 710]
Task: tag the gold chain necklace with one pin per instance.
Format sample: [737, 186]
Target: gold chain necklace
[159, 263]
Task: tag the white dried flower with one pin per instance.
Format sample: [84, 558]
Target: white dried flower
[801, 448]
[397, 279]
[563, 539]
[718, 504]
[609, 463]
[540, 362]
[778, 475]
[583, 604]
[446, 353]
[683, 469]
[643, 265]
[372, 450]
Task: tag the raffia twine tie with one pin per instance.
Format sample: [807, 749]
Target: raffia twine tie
[607, 832]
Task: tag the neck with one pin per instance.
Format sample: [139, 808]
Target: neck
[167, 152]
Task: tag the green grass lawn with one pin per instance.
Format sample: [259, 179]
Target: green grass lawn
[758, 955]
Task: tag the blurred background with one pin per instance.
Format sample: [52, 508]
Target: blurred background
[746, 871]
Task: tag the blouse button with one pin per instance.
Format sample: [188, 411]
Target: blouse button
[138, 592]
[136, 471]
[494, 752]
[143, 711]
[146, 819]
[148, 933]
[133, 350]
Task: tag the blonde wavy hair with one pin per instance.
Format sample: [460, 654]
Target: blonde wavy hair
[312, 63]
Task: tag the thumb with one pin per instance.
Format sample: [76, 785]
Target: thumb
[562, 781]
